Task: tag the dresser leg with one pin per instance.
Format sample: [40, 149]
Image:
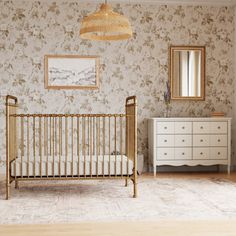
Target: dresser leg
[155, 171]
[228, 169]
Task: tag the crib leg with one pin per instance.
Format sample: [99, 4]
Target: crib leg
[135, 190]
[7, 191]
[126, 182]
[135, 183]
[16, 184]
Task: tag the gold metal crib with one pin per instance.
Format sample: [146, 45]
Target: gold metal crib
[70, 146]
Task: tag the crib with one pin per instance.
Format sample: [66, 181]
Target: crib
[70, 146]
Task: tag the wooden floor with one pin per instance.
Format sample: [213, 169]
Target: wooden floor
[165, 228]
[158, 228]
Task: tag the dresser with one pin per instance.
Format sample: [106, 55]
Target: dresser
[189, 141]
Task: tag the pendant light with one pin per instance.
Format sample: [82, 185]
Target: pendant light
[105, 24]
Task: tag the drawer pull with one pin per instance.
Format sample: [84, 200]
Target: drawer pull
[218, 140]
[165, 153]
[183, 127]
[165, 127]
[218, 153]
[201, 140]
[201, 153]
[183, 153]
[165, 140]
[218, 127]
[201, 127]
[183, 140]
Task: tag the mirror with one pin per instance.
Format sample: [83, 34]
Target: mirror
[187, 72]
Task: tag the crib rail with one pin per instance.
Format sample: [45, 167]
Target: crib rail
[77, 146]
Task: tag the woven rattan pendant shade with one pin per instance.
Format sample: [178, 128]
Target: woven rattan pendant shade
[105, 24]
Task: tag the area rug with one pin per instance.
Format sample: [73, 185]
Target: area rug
[109, 200]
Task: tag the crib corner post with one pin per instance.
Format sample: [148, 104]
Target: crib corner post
[10, 109]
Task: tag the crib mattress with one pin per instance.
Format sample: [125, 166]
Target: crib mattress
[67, 166]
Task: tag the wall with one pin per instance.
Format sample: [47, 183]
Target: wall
[29, 30]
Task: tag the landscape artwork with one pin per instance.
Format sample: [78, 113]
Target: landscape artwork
[71, 72]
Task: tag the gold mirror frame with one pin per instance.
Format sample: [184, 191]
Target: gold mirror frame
[171, 72]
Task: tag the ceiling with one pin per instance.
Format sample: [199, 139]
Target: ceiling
[184, 2]
[190, 2]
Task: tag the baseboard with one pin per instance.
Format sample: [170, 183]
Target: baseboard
[213, 168]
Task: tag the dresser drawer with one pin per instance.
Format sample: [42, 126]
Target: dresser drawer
[218, 140]
[165, 154]
[165, 127]
[219, 127]
[201, 140]
[217, 153]
[183, 153]
[183, 127]
[165, 140]
[183, 140]
[201, 153]
[201, 127]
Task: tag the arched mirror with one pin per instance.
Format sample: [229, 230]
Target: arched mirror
[187, 72]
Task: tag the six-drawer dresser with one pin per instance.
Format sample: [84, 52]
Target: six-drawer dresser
[189, 141]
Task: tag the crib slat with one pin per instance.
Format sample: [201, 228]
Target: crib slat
[109, 147]
[14, 140]
[50, 140]
[91, 145]
[45, 137]
[83, 141]
[53, 147]
[34, 143]
[94, 126]
[22, 145]
[115, 145]
[127, 145]
[78, 145]
[66, 144]
[94, 141]
[40, 146]
[47, 146]
[104, 145]
[98, 142]
[28, 148]
[56, 143]
[72, 146]
[60, 144]
[121, 145]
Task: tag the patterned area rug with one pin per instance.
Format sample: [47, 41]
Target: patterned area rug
[109, 200]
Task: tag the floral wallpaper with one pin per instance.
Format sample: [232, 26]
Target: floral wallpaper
[31, 29]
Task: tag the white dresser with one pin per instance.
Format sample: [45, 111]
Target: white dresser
[189, 141]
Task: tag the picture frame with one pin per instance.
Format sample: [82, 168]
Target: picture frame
[71, 72]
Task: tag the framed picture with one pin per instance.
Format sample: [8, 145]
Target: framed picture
[71, 72]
